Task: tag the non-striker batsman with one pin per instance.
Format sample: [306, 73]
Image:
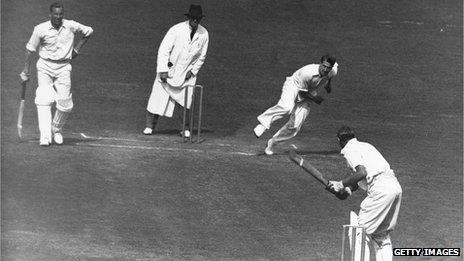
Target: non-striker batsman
[54, 40]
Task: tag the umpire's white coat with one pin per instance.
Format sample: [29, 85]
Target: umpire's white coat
[185, 55]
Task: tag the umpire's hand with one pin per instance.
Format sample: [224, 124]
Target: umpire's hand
[189, 75]
[164, 76]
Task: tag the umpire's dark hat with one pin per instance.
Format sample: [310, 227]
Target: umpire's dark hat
[195, 11]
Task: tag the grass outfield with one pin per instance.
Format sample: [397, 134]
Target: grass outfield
[111, 193]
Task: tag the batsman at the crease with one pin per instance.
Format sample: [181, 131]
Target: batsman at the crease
[371, 172]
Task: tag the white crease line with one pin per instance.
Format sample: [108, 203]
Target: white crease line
[160, 149]
[244, 153]
[104, 138]
[110, 138]
[133, 147]
[412, 22]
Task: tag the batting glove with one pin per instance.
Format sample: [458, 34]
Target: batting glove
[336, 186]
[164, 76]
[24, 76]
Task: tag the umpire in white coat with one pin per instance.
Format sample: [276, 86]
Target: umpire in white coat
[180, 57]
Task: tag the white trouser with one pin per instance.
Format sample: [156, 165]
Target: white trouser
[294, 123]
[383, 247]
[379, 212]
[284, 106]
[54, 84]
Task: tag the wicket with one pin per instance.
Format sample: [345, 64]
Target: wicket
[192, 112]
[352, 231]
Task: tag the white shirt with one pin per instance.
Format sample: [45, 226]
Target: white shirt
[308, 78]
[53, 44]
[362, 153]
[183, 53]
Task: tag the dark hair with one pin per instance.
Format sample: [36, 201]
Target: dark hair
[56, 5]
[329, 58]
[345, 134]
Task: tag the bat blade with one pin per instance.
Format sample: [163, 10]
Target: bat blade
[19, 124]
[308, 167]
[20, 120]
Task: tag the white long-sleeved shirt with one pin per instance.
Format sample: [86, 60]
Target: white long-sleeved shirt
[183, 53]
[53, 44]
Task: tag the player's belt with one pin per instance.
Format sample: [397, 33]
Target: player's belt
[58, 61]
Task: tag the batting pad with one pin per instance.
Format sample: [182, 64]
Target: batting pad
[59, 120]
[44, 116]
[65, 105]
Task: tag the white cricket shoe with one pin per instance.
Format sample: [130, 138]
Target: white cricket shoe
[259, 130]
[58, 138]
[269, 151]
[148, 131]
[186, 133]
[44, 142]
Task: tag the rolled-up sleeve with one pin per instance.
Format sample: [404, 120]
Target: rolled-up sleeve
[34, 41]
[334, 70]
[353, 159]
[83, 29]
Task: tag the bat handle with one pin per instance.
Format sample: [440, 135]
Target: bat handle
[23, 90]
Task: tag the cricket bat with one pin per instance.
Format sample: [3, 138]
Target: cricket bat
[308, 167]
[21, 111]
